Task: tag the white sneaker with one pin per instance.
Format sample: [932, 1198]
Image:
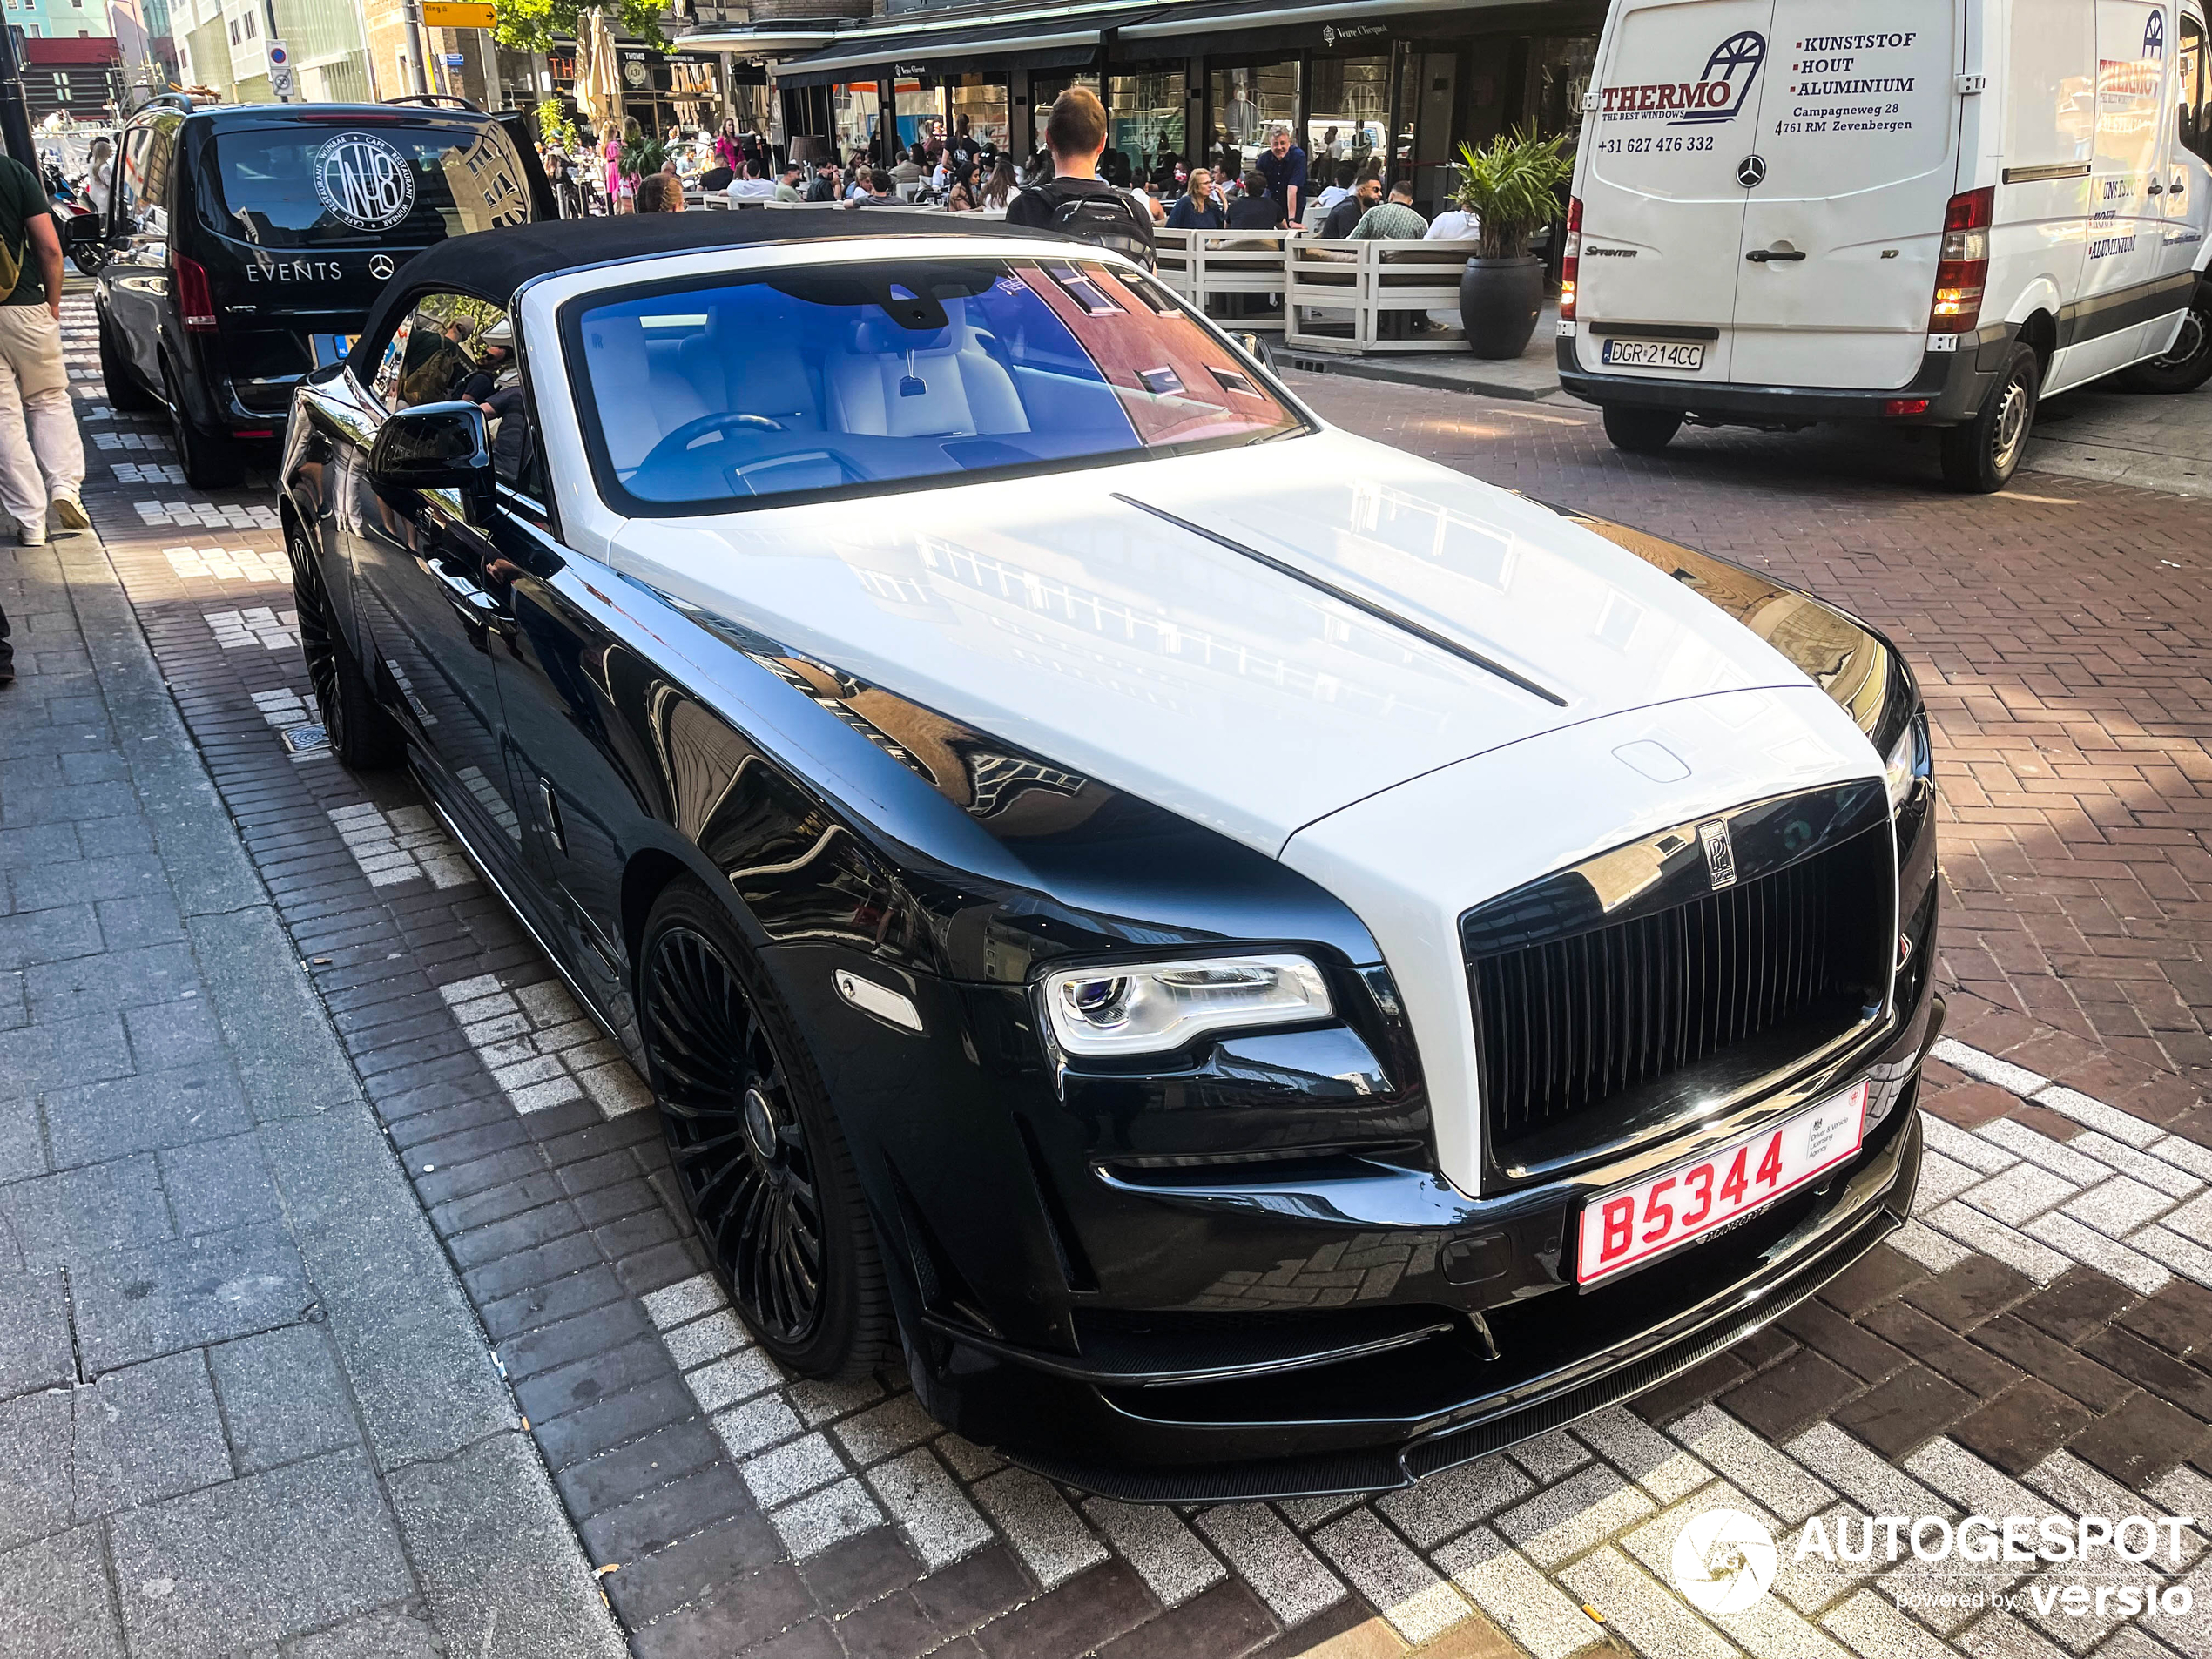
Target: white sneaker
[30, 536]
[71, 512]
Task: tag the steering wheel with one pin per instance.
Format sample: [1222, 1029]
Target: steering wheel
[691, 431]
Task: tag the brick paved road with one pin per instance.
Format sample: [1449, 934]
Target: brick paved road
[2036, 1342]
[244, 1400]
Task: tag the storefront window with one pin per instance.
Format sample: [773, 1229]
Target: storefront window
[856, 109]
[1349, 116]
[922, 112]
[1144, 119]
[1247, 105]
[982, 105]
[1559, 67]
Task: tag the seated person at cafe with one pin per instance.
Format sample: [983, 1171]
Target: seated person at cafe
[1346, 176]
[752, 186]
[1254, 210]
[1349, 212]
[1394, 220]
[1200, 208]
[876, 191]
[660, 192]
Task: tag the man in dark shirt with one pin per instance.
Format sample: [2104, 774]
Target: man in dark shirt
[1349, 212]
[1283, 164]
[1254, 210]
[1075, 134]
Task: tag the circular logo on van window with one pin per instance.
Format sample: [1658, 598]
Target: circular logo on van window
[363, 182]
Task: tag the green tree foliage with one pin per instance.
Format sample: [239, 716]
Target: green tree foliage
[537, 25]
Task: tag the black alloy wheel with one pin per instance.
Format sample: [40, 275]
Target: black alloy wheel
[757, 1152]
[2188, 364]
[362, 736]
[1980, 457]
[125, 395]
[210, 460]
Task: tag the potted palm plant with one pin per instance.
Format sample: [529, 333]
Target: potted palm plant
[1512, 189]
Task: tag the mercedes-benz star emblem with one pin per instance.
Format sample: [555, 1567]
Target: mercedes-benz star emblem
[1750, 173]
[379, 265]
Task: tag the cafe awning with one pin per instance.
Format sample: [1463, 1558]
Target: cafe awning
[1066, 39]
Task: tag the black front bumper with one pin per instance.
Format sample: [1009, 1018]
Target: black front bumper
[1483, 1342]
[1955, 383]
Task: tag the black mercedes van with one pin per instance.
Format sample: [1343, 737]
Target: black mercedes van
[246, 243]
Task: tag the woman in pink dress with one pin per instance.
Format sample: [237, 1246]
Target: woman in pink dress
[619, 189]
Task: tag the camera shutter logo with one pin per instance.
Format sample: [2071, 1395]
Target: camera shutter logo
[364, 182]
[1724, 1561]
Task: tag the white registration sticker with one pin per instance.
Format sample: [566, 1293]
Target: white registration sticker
[1633, 1224]
[1686, 357]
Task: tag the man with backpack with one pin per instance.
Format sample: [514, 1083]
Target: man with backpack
[37, 427]
[1077, 202]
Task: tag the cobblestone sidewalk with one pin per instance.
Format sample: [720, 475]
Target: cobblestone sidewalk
[244, 1405]
[2035, 1341]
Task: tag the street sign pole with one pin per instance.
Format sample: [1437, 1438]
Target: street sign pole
[15, 112]
[280, 58]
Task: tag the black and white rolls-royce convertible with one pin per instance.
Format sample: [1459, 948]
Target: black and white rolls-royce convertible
[1254, 964]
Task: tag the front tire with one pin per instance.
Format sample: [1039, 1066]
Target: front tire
[1980, 457]
[757, 1151]
[1641, 431]
[2188, 365]
[362, 736]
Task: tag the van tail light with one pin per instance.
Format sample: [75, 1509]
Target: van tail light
[1963, 272]
[194, 300]
[1570, 266]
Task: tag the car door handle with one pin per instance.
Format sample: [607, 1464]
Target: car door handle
[480, 613]
[2154, 190]
[1770, 256]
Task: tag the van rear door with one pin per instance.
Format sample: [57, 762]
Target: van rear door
[1662, 211]
[1857, 128]
[304, 217]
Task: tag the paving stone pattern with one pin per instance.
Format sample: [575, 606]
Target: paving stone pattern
[2036, 1340]
[223, 1427]
[2059, 633]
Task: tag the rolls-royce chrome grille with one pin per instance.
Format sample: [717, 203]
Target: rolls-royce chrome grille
[1656, 977]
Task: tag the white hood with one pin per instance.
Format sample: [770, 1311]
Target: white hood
[1055, 614]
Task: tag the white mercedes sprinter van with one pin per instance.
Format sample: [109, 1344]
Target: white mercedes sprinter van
[1933, 212]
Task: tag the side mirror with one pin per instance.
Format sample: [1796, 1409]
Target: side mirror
[86, 230]
[1256, 347]
[434, 446]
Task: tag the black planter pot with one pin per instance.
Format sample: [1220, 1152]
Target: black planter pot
[1499, 301]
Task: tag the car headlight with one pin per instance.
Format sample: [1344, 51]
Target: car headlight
[1908, 760]
[1149, 1007]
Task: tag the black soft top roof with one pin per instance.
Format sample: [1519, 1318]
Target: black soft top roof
[492, 264]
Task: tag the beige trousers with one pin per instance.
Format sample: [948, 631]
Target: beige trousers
[40, 455]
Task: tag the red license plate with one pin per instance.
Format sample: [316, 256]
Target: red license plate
[1630, 1225]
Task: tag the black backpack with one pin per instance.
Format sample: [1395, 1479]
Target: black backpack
[1104, 220]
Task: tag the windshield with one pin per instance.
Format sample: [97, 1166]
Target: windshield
[832, 379]
[324, 184]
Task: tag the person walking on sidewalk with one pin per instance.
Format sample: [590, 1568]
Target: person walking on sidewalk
[37, 426]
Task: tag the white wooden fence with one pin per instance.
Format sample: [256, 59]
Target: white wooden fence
[1339, 296]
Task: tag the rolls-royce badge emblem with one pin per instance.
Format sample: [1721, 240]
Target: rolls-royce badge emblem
[1720, 852]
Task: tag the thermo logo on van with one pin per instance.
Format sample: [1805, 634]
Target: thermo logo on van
[1719, 94]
